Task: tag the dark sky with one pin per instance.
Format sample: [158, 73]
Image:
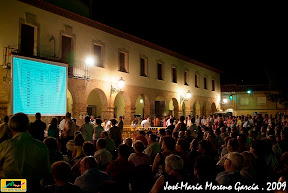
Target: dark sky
[245, 41]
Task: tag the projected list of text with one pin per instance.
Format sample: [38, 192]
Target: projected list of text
[38, 87]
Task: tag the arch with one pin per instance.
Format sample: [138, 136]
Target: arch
[213, 108]
[183, 109]
[122, 106]
[96, 102]
[173, 108]
[142, 106]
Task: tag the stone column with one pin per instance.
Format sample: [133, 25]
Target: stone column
[79, 112]
[107, 112]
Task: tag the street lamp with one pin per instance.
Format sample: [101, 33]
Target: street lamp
[188, 96]
[90, 61]
[121, 84]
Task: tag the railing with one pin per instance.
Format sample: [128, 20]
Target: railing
[76, 69]
[129, 132]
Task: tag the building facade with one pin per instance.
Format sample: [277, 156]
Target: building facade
[248, 99]
[156, 79]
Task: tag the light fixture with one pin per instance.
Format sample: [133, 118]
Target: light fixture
[121, 84]
[188, 96]
[225, 100]
[249, 91]
[90, 61]
[141, 101]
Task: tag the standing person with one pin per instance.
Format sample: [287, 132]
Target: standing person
[68, 131]
[24, 157]
[120, 124]
[145, 123]
[87, 129]
[181, 126]
[189, 122]
[115, 133]
[37, 128]
[53, 130]
[5, 132]
[98, 129]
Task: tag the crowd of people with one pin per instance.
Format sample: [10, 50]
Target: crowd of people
[93, 157]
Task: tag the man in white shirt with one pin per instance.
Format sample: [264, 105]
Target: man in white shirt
[145, 123]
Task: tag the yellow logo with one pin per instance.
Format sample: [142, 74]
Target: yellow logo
[13, 185]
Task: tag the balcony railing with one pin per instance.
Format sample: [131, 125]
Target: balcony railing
[76, 69]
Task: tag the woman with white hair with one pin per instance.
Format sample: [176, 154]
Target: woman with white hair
[173, 166]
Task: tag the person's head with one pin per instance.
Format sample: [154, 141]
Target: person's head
[234, 161]
[61, 171]
[128, 142]
[113, 122]
[258, 148]
[54, 122]
[87, 163]
[249, 159]
[181, 134]
[38, 116]
[173, 163]
[284, 160]
[98, 121]
[168, 144]
[188, 133]
[162, 132]
[123, 150]
[168, 132]
[6, 119]
[87, 119]
[194, 144]
[78, 139]
[19, 122]
[104, 134]
[100, 144]
[182, 145]
[120, 118]
[232, 145]
[88, 148]
[182, 118]
[68, 115]
[204, 168]
[273, 139]
[138, 146]
[142, 133]
[175, 134]
[204, 147]
[51, 143]
[152, 138]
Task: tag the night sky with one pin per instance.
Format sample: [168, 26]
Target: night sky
[247, 42]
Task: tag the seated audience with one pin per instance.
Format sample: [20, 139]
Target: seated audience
[153, 147]
[139, 158]
[233, 165]
[102, 156]
[91, 177]
[23, 157]
[61, 172]
[173, 166]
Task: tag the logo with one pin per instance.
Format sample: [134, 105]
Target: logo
[13, 185]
